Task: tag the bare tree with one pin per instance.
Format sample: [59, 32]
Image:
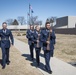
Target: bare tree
[34, 21]
[9, 21]
[38, 23]
[51, 20]
[21, 20]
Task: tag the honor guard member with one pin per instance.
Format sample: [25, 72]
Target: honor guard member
[48, 39]
[30, 36]
[37, 43]
[5, 34]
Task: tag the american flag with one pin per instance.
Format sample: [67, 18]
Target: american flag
[30, 7]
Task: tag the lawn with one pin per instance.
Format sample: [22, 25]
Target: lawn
[65, 48]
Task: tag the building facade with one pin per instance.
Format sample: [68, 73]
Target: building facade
[66, 22]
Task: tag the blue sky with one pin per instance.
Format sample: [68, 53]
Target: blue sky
[42, 8]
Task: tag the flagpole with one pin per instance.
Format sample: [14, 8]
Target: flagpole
[28, 20]
[29, 13]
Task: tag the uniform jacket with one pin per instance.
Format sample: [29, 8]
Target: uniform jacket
[6, 37]
[30, 36]
[44, 37]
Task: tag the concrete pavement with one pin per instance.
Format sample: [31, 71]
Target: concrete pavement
[58, 67]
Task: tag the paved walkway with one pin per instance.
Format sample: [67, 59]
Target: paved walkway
[58, 67]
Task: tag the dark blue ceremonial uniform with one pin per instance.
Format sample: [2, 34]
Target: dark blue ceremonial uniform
[30, 36]
[48, 53]
[5, 44]
[38, 49]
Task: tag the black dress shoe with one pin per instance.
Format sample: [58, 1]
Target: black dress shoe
[27, 59]
[35, 64]
[49, 71]
[32, 64]
[8, 62]
[31, 59]
[3, 67]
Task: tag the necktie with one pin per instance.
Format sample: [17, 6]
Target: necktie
[4, 31]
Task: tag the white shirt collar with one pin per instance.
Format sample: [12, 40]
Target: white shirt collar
[4, 30]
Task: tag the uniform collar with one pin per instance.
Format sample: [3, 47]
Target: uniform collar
[37, 31]
[32, 31]
[4, 30]
[47, 30]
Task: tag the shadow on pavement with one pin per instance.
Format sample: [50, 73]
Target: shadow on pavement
[73, 63]
[27, 57]
[41, 66]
